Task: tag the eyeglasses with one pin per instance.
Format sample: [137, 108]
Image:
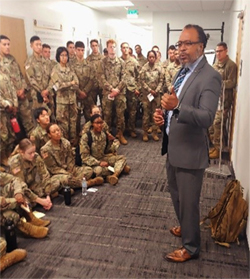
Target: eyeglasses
[186, 44]
[98, 122]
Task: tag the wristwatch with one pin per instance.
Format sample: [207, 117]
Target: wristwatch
[176, 110]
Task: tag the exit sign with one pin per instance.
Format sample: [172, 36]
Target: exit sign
[132, 13]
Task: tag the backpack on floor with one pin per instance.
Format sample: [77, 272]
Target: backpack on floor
[229, 216]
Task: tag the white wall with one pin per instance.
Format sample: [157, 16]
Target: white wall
[177, 20]
[79, 22]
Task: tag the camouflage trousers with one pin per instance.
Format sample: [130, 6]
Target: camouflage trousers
[86, 105]
[3, 246]
[66, 117]
[148, 111]
[24, 111]
[118, 162]
[120, 105]
[131, 109]
[7, 135]
[96, 91]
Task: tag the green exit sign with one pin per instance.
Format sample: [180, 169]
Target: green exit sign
[133, 12]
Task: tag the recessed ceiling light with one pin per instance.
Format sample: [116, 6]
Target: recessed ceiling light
[103, 4]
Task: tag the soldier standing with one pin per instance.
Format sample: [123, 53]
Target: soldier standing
[16, 77]
[171, 56]
[93, 60]
[111, 75]
[71, 50]
[132, 86]
[228, 70]
[66, 85]
[38, 72]
[46, 54]
[171, 71]
[141, 59]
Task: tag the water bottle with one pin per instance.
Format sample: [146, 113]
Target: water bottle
[15, 125]
[10, 235]
[84, 187]
[67, 195]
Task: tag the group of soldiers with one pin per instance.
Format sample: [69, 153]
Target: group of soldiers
[50, 104]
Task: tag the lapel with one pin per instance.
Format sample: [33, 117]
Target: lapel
[192, 77]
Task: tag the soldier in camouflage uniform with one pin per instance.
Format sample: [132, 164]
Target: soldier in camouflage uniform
[46, 55]
[93, 60]
[60, 160]
[151, 78]
[85, 76]
[100, 153]
[171, 57]
[38, 72]
[8, 259]
[71, 50]
[111, 76]
[228, 70]
[30, 168]
[8, 109]
[9, 62]
[39, 135]
[66, 85]
[132, 69]
[141, 59]
[171, 71]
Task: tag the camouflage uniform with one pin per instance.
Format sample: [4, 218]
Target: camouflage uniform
[39, 137]
[111, 76]
[38, 70]
[8, 97]
[9, 187]
[93, 61]
[132, 69]
[66, 107]
[151, 78]
[171, 71]
[228, 71]
[142, 60]
[35, 175]
[3, 244]
[87, 126]
[101, 151]
[10, 63]
[60, 160]
[85, 77]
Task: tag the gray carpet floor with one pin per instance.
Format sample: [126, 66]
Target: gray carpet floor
[122, 231]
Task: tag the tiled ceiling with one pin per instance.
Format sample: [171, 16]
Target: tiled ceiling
[146, 8]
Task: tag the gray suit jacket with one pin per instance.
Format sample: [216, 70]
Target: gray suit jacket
[187, 142]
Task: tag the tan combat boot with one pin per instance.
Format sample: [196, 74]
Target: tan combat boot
[211, 150]
[215, 154]
[159, 131]
[126, 169]
[154, 136]
[145, 136]
[31, 218]
[30, 230]
[96, 181]
[11, 258]
[133, 134]
[113, 179]
[150, 130]
[121, 138]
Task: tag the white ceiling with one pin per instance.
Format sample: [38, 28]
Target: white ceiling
[147, 7]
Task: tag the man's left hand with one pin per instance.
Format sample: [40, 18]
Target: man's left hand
[169, 102]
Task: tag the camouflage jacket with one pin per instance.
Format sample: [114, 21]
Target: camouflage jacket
[93, 61]
[171, 71]
[100, 147]
[38, 72]
[58, 159]
[111, 74]
[34, 172]
[11, 185]
[15, 73]
[61, 79]
[151, 78]
[141, 61]
[8, 96]
[39, 137]
[84, 73]
[132, 70]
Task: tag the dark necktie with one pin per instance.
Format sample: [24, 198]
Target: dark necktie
[177, 84]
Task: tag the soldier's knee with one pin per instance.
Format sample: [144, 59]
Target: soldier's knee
[98, 171]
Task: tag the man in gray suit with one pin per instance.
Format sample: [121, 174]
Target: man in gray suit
[189, 112]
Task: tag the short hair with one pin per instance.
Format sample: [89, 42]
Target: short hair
[48, 127]
[34, 38]
[94, 117]
[79, 44]
[3, 37]
[69, 43]
[155, 47]
[124, 44]
[94, 41]
[110, 41]
[38, 112]
[172, 47]
[222, 44]
[137, 46]
[59, 51]
[46, 46]
[24, 144]
[201, 34]
[155, 54]
[105, 50]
